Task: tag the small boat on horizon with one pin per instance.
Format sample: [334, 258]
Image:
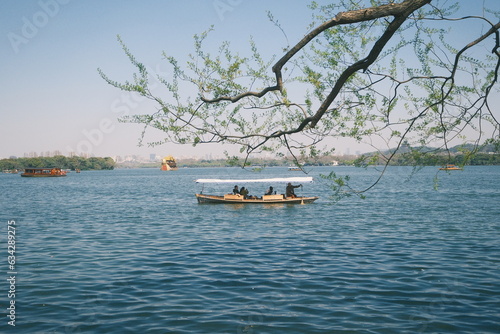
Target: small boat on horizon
[43, 172]
[10, 171]
[451, 167]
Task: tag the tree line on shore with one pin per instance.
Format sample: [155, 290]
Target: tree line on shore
[58, 161]
[478, 159]
[406, 159]
[402, 159]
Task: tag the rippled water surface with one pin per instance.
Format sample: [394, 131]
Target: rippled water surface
[130, 251]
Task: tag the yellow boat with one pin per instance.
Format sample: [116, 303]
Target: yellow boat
[168, 163]
[451, 167]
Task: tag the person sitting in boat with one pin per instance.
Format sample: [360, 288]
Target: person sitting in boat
[289, 190]
[236, 190]
[244, 192]
[269, 191]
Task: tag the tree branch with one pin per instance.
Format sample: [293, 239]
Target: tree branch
[400, 10]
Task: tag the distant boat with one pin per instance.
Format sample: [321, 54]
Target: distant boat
[10, 171]
[43, 172]
[168, 163]
[294, 169]
[451, 167]
[265, 199]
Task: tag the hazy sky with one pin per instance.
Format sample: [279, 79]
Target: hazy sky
[51, 95]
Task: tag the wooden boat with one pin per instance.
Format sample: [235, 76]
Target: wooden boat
[43, 172]
[264, 199]
[450, 167]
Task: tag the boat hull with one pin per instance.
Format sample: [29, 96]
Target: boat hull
[33, 175]
[213, 199]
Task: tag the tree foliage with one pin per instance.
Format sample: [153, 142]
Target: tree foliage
[58, 161]
[376, 71]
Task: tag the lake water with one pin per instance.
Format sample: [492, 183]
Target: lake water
[131, 251]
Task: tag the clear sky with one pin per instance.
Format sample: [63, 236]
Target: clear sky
[51, 95]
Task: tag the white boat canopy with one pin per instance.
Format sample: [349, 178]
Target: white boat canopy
[271, 180]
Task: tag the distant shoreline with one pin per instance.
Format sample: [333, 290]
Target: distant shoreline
[58, 161]
[400, 159]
